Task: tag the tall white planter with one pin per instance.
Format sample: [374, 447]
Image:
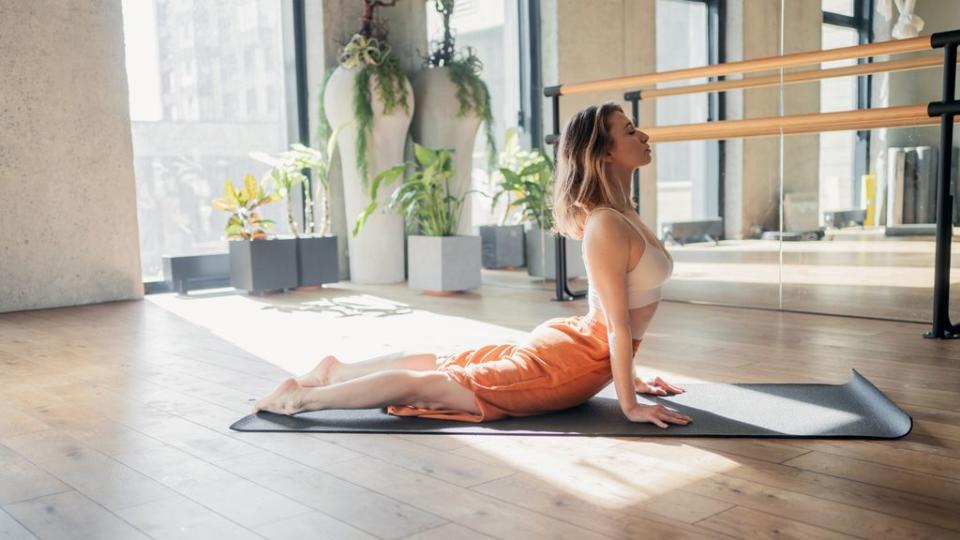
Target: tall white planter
[376, 254]
[437, 126]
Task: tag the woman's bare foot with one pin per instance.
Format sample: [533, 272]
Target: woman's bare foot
[325, 373]
[286, 399]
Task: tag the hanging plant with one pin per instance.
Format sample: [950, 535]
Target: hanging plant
[369, 52]
[473, 96]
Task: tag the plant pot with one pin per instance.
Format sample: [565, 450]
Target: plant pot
[503, 246]
[547, 268]
[376, 254]
[437, 126]
[444, 263]
[317, 260]
[263, 265]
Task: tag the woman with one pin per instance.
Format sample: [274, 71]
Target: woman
[564, 361]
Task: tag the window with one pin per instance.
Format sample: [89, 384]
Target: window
[837, 148]
[183, 157]
[490, 28]
[842, 7]
[843, 153]
[687, 172]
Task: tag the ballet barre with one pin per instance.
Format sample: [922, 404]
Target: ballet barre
[942, 112]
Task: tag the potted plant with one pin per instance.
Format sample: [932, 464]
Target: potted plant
[370, 96]
[534, 185]
[257, 263]
[503, 244]
[317, 253]
[451, 102]
[440, 260]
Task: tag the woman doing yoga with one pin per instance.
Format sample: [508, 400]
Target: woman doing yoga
[564, 361]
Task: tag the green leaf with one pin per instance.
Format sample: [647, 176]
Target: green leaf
[425, 156]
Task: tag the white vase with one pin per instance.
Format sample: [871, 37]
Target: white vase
[436, 125]
[376, 254]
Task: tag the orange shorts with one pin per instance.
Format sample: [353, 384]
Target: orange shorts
[564, 362]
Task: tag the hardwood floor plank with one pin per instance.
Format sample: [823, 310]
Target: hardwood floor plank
[369, 510]
[476, 511]
[10, 529]
[450, 531]
[178, 517]
[456, 470]
[771, 486]
[91, 473]
[879, 475]
[310, 526]
[904, 459]
[70, 516]
[740, 522]
[21, 480]
[632, 511]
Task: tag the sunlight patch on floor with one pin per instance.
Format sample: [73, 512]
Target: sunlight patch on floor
[296, 335]
[606, 471]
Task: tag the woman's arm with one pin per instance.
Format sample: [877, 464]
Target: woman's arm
[607, 249]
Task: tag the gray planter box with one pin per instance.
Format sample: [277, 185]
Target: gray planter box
[502, 246]
[575, 266]
[187, 272]
[317, 260]
[263, 265]
[443, 263]
[700, 230]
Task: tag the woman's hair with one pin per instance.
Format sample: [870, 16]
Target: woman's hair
[582, 183]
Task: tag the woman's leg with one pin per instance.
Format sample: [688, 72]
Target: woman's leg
[430, 389]
[331, 370]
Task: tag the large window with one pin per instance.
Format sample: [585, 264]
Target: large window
[490, 28]
[687, 172]
[845, 25]
[207, 86]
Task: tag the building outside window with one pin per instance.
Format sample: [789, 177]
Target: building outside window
[686, 171]
[490, 28]
[195, 131]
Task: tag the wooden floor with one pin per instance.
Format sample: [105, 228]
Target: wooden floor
[114, 424]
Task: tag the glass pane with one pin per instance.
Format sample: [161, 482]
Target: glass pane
[743, 267]
[206, 82]
[489, 27]
[837, 148]
[843, 7]
[877, 191]
[682, 169]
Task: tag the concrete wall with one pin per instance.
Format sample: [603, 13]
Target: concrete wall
[330, 24]
[600, 39]
[69, 211]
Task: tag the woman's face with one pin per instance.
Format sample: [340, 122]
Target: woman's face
[630, 149]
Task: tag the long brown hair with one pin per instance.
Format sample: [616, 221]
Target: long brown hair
[582, 183]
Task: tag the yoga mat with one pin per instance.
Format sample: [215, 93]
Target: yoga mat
[856, 409]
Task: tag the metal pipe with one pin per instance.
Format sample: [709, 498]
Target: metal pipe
[942, 328]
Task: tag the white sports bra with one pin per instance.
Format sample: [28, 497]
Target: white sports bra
[645, 280]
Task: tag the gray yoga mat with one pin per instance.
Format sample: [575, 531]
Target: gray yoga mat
[856, 409]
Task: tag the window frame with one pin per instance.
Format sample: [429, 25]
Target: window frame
[862, 22]
[293, 32]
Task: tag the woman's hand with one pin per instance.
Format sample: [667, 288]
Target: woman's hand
[657, 414]
[656, 386]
